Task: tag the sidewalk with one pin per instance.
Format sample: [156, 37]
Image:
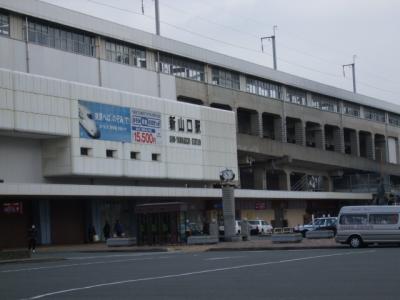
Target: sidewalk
[54, 253]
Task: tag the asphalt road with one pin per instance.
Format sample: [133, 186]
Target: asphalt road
[371, 273]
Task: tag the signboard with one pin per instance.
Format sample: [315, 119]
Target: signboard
[13, 208]
[260, 206]
[104, 122]
[146, 126]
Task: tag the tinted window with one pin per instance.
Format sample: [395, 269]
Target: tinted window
[383, 219]
[353, 219]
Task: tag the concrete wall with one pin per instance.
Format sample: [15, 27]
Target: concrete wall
[48, 108]
[20, 160]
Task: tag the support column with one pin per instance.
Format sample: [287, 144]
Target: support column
[300, 133]
[260, 178]
[355, 143]
[284, 181]
[260, 129]
[228, 206]
[338, 139]
[370, 143]
[234, 109]
[255, 124]
[280, 130]
[44, 220]
[320, 138]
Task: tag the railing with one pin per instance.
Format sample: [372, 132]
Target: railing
[362, 183]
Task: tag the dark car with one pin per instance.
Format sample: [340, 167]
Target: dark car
[325, 223]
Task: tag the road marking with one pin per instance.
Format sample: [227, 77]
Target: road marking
[121, 255]
[196, 273]
[226, 257]
[80, 264]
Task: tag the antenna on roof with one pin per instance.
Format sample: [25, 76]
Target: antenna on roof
[272, 38]
[353, 67]
[142, 7]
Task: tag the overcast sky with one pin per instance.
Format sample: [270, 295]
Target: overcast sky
[314, 37]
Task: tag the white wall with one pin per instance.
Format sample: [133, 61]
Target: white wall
[12, 54]
[392, 149]
[136, 80]
[49, 107]
[64, 65]
[20, 160]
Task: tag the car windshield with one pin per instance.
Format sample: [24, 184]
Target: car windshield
[253, 222]
[319, 221]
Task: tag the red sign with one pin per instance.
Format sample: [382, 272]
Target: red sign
[260, 206]
[13, 208]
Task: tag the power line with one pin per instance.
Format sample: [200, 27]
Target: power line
[289, 62]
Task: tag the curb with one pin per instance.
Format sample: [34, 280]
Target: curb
[127, 250]
[31, 260]
[275, 248]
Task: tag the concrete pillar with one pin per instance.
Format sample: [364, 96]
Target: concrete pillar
[355, 143]
[280, 130]
[284, 181]
[260, 178]
[260, 129]
[228, 207]
[300, 133]
[370, 144]
[329, 183]
[234, 109]
[44, 220]
[338, 139]
[320, 138]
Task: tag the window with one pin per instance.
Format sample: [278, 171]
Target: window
[354, 219]
[4, 24]
[155, 156]
[263, 88]
[351, 109]
[181, 67]
[225, 78]
[374, 114]
[125, 54]
[111, 153]
[394, 120]
[324, 103]
[135, 155]
[296, 96]
[197, 128]
[86, 151]
[383, 219]
[60, 38]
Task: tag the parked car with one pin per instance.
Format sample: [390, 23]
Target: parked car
[260, 226]
[326, 223]
[238, 228]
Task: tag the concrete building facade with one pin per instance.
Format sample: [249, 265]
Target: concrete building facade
[171, 117]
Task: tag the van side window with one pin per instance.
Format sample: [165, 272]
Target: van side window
[353, 219]
[383, 219]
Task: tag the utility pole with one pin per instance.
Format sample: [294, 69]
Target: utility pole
[272, 38]
[157, 9]
[353, 67]
[157, 17]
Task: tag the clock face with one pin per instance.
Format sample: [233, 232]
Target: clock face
[227, 175]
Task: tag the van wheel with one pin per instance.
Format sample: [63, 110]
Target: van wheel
[355, 241]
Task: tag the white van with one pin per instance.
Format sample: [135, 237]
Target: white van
[362, 225]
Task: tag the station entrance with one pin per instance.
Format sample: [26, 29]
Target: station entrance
[159, 223]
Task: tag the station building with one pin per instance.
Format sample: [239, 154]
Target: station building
[102, 122]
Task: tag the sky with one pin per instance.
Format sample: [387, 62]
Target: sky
[314, 38]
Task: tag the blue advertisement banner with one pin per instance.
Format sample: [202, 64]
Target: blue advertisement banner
[104, 122]
[146, 127]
